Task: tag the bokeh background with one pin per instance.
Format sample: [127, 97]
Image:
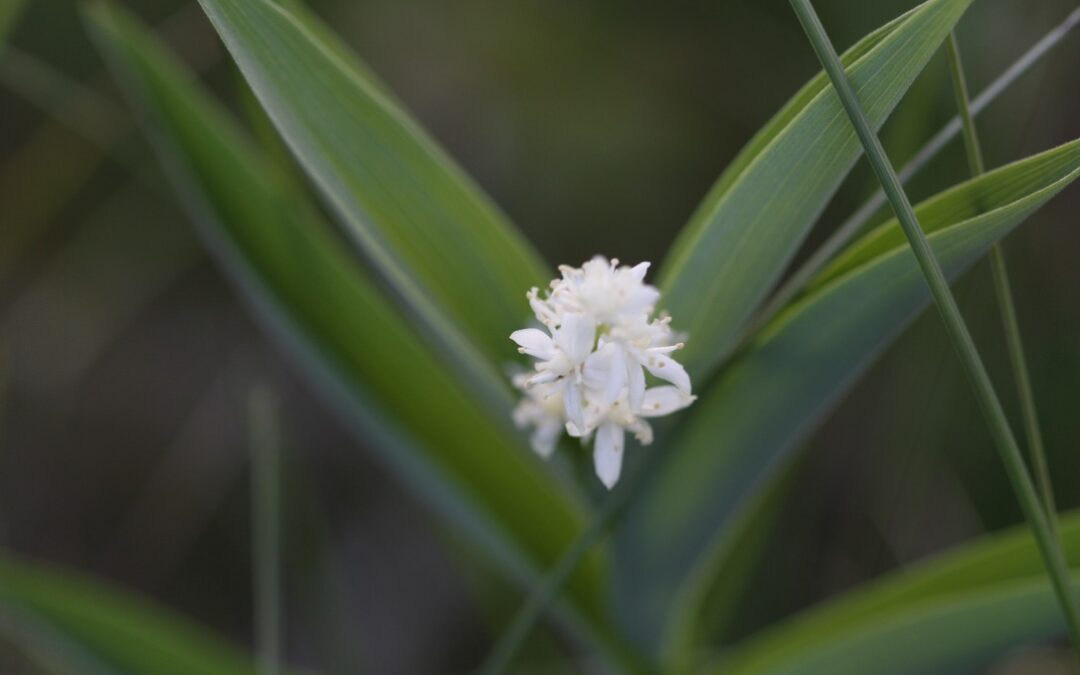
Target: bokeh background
[126, 361]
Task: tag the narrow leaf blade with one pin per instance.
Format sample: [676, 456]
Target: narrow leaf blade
[444, 247]
[737, 244]
[748, 422]
[113, 628]
[309, 293]
[955, 611]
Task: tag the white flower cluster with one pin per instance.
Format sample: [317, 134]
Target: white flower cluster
[591, 360]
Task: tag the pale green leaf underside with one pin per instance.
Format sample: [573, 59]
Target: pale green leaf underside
[306, 289]
[752, 222]
[456, 262]
[949, 614]
[91, 625]
[746, 424]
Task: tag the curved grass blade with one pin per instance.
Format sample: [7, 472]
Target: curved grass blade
[1011, 184]
[307, 291]
[747, 423]
[957, 610]
[957, 635]
[1003, 291]
[264, 445]
[854, 224]
[445, 249]
[750, 225]
[92, 623]
[963, 344]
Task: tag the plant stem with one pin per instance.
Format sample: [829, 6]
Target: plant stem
[1053, 558]
[967, 122]
[855, 222]
[546, 592]
[1003, 290]
[265, 439]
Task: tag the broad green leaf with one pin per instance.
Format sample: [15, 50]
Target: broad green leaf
[748, 422]
[92, 627]
[442, 245]
[951, 613]
[752, 222]
[310, 294]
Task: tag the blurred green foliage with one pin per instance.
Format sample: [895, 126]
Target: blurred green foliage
[121, 438]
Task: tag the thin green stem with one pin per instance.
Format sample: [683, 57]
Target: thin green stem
[855, 222]
[546, 592]
[967, 122]
[1053, 558]
[265, 439]
[1003, 290]
[1028, 412]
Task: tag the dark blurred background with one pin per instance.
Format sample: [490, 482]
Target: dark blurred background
[126, 360]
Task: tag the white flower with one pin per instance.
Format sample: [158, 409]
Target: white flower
[591, 361]
[611, 294]
[561, 359]
[612, 424]
[541, 408]
[646, 347]
[601, 289]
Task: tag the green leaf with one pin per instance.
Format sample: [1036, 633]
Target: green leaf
[78, 620]
[442, 245]
[950, 614]
[717, 611]
[305, 288]
[1004, 186]
[10, 11]
[748, 422]
[752, 222]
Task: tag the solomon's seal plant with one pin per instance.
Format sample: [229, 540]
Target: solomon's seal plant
[598, 340]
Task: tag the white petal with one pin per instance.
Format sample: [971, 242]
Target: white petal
[542, 377]
[524, 413]
[668, 369]
[608, 453]
[583, 434]
[534, 342]
[642, 431]
[597, 268]
[664, 401]
[575, 411]
[666, 349]
[605, 373]
[635, 384]
[521, 380]
[545, 391]
[546, 436]
[576, 336]
[546, 313]
[638, 271]
[641, 300]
